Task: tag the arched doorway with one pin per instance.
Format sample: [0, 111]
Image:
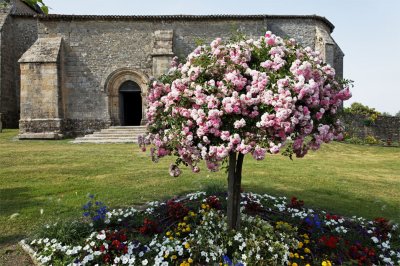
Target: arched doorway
[130, 107]
[126, 93]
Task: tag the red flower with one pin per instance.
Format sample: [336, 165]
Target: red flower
[149, 227]
[330, 242]
[123, 238]
[383, 227]
[213, 202]
[102, 248]
[295, 203]
[332, 217]
[176, 210]
[116, 243]
[107, 258]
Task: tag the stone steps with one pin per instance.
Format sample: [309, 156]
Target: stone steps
[116, 134]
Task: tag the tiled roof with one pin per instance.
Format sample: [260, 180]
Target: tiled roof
[176, 17]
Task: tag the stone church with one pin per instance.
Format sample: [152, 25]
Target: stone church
[68, 75]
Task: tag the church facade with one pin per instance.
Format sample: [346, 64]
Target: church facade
[69, 75]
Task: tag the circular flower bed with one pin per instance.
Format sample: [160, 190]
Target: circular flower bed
[192, 230]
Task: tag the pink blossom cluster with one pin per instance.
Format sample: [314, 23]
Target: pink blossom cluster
[254, 96]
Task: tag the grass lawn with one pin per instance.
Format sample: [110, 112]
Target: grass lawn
[42, 181]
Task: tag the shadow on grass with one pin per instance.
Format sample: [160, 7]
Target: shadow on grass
[15, 200]
[10, 240]
[326, 199]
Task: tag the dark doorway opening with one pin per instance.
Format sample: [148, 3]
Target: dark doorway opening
[130, 104]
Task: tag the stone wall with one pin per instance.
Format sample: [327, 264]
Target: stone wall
[98, 46]
[8, 97]
[384, 128]
[100, 51]
[17, 34]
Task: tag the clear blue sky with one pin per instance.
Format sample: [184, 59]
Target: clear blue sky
[367, 31]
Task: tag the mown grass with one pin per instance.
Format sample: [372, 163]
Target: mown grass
[56, 176]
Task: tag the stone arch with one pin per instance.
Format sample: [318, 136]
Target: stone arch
[112, 86]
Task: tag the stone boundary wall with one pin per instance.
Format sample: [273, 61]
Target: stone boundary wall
[384, 128]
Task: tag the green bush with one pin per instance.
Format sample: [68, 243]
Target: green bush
[359, 109]
[371, 140]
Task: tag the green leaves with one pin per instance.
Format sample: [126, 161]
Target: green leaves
[40, 3]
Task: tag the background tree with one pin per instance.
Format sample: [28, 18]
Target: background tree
[244, 97]
[386, 114]
[398, 114]
[360, 109]
[38, 3]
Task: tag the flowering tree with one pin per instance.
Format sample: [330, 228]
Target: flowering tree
[246, 97]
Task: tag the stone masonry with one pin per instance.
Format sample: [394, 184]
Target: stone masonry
[64, 75]
[384, 128]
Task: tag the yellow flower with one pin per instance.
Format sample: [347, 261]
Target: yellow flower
[190, 260]
[302, 257]
[305, 236]
[185, 218]
[174, 257]
[296, 255]
[294, 264]
[188, 229]
[177, 233]
[307, 250]
[203, 206]
[192, 213]
[291, 255]
[308, 264]
[326, 263]
[300, 245]
[171, 238]
[168, 233]
[187, 245]
[306, 241]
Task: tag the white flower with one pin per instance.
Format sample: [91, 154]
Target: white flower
[145, 262]
[374, 239]
[101, 236]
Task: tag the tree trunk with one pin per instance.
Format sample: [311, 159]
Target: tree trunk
[234, 182]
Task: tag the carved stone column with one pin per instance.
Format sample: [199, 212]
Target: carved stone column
[144, 107]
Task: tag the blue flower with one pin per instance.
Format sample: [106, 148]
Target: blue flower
[87, 205]
[227, 260]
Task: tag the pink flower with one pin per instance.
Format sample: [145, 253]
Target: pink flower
[239, 123]
[242, 107]
[174, 170]
[259, 153]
